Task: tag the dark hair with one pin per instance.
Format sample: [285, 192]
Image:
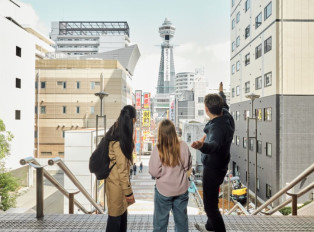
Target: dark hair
[214, 103]
[125, 124]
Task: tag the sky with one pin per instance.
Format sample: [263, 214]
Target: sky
[202, 32]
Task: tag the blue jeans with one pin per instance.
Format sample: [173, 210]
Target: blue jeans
[163, 205]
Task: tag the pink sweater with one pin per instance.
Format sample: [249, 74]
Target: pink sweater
[171, 181]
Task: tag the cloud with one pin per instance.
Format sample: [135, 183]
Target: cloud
[187, 57]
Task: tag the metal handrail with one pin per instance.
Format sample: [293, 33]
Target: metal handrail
[294, 182]
[33, 163]
[238, 205]
[75, 181]
[299, 194]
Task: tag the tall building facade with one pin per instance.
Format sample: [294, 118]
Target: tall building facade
[66, 98]
[272, 47]
[76, 38]
[20, 46]
[166, 77]
[184, 81]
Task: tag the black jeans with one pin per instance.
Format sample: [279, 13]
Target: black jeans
[212, 179]
[117, 224]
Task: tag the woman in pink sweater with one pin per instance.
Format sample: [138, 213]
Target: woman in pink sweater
[168, 164]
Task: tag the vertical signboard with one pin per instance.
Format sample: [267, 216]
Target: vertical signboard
[172, 108]
[146, 100]
[138, 99]
[146, 118]
[138, 140]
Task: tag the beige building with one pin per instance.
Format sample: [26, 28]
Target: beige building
[272, 55]
[66, 98]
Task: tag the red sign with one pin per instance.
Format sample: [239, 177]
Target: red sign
[138, 99]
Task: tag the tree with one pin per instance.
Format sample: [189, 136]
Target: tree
[8, 183]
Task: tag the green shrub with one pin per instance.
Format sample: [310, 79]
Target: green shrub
[8, 183]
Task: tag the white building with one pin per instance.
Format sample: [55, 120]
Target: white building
[18, 49]
[85, 38]
[184, 81]
[272, 56]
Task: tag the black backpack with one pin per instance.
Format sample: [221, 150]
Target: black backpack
[99, 161]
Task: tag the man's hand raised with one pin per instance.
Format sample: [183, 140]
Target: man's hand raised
[199, 143]
[221, 87]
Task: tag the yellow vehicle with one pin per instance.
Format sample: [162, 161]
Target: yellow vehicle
[238, 191]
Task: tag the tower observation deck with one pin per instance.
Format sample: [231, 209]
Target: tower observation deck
[166, 75]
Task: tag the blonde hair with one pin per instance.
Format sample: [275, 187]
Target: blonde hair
[168, 144]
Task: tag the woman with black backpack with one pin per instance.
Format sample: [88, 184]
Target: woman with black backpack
[118, 186]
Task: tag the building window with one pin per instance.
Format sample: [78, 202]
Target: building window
[63, 134]
[259, 146]
[232, 92]
[238, 90]
[246, 114]
[18, 83]
[77, 109]
[233, 23]
[258, 114]
[92, 109]
[61, 153]
[232, 2]
[247, 59]
[247, 5]
[78, 85]
[35, 134]
[46, 153]
[251, 144]
[247, 87]
[62, 83]
[17, 115]
[238, 17]
[267, 114]
[267, 45]
[233, 140]
[267, 79]
[188, 137]
[268, 191]
[36, 109]
[267, 11]
[233, 46]
[258, 51]
[200, 112]
[237, 115]
[93, 84]
[258, 83]
[247, 31]
[18, 51]
[233, 69]
[64, 109]
[43, 109]
[238, 41]
[237, 140]
[258, 20]
[244, 142]
[200, 99]
[268, 149]
[43, 84]
[238, 65]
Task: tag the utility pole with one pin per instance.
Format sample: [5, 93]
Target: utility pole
[252, 97]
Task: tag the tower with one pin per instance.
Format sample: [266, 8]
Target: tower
[166, 69]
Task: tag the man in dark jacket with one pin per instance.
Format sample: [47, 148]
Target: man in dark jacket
[215, 148]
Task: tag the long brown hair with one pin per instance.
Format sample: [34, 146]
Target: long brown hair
[168, 144]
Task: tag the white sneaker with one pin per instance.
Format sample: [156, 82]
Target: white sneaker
[201, 227]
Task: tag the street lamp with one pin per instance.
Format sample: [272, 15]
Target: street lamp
[252, 97]
[101, 94]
